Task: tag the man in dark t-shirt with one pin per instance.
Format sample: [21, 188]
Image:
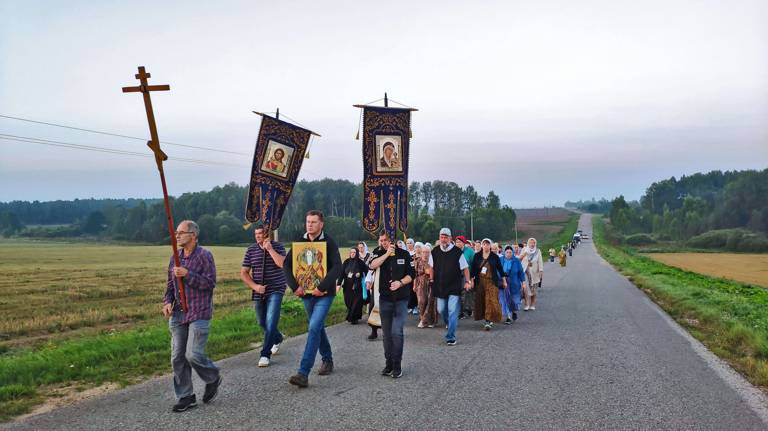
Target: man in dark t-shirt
[395, 272]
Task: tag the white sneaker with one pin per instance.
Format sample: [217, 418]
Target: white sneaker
[527, 308]
[532, 307]
[275, 348]
[263, 362]
[421, 325]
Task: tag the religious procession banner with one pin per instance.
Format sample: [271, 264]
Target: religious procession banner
[309, 264]
[277, 160]
[386, 141]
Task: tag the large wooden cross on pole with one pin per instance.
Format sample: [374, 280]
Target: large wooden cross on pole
[160, 157]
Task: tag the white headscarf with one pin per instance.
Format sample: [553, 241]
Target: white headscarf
[531, 251]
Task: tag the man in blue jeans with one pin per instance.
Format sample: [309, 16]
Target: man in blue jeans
[317, 303]
[394, 272]
[262, 272]
[448, 266]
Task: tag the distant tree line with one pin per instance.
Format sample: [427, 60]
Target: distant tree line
[603, 206]
[220, 214]
[701, 204]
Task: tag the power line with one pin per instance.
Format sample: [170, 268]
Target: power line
[70, 145]
[27, 120]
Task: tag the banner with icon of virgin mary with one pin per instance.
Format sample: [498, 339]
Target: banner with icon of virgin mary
[386, 141]
[277, 161]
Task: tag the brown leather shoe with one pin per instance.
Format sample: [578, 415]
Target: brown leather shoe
[299, 380]
[326, 368]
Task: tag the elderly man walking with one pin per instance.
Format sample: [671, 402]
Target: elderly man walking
[189, 331]
[448, 267]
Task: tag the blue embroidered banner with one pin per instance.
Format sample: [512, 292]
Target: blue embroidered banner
[277, 160]
[386, 141]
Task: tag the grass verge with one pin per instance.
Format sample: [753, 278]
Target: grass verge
[126, 357]
[726, 316]
[564, 236]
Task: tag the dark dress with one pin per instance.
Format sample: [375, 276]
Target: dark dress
[351, 281]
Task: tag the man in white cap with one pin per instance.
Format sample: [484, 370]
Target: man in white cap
[449, 271]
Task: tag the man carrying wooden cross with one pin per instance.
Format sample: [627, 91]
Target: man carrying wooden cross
[189, 330]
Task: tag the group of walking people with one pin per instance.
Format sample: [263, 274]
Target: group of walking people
[454, 278]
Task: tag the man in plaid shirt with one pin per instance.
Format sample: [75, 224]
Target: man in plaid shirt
[189, 331]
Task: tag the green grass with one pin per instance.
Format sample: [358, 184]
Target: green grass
[728, 317]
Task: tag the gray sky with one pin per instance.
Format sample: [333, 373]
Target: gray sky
[541, 101]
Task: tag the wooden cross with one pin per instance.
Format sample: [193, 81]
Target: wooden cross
[160, 157]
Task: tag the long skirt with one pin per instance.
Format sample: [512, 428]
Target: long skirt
[515, 295]
[427, 302]
[505, 299]
[353, 299]
[487, 305]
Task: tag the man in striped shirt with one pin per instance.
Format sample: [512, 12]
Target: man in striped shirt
[189, 331]
[262, 272]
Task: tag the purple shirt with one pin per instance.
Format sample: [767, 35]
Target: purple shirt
[273, 276]
[198, 285]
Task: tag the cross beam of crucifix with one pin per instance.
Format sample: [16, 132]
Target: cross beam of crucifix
[160, 157]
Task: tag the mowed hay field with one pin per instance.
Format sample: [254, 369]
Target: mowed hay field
[56, 289]
[541, 223]
[746, 268]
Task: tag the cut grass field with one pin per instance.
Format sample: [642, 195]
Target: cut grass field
[81, 315]
[746, 268]
[729, 317]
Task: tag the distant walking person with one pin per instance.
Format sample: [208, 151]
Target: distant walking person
[394, 274]
[534, 272]
[317, 303]
[262, 272]
[189, 331]
[351, 282]
[449, 271]
[516, 280]
[487, 276]
[563, 256]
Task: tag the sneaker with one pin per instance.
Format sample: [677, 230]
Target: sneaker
[387, 371]
[263, 362]
[526, 308]
[487, 326]
[275, 348]
[432, 326]
[532, 308]
[508, 321]
[211, 390]
[325, 368]
[299, 380]
[420, 325]
[397, 373]
[185, 404]
[373, 336]
[514, 316]
[451, 342]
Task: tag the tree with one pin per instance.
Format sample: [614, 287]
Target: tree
[95, 223]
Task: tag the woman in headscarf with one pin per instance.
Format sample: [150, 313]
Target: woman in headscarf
[534, 271]
[423, 288]
[487, 274]
[563, 256]
[351, 281]
[364, 256]
[515, 275]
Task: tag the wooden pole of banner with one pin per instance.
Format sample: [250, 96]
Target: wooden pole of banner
[160, 157]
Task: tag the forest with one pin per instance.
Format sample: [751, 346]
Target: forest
[220, 214]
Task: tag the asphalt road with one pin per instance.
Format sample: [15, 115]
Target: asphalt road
[596, 354]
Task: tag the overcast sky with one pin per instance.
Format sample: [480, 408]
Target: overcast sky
[541, 101]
